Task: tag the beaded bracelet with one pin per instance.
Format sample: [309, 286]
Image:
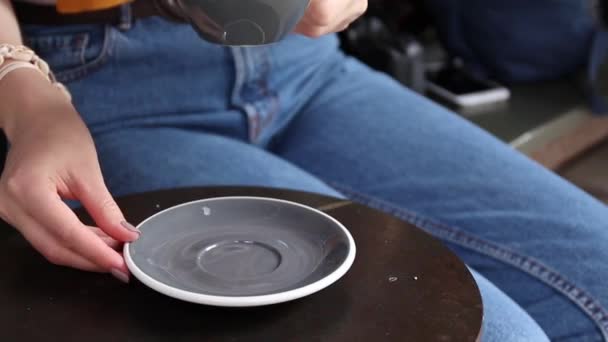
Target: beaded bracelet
[18, 57]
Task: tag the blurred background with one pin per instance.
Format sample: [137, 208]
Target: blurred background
[533, 73]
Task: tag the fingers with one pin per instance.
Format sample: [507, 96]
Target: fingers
[112, 243]
[324, 16]
[98, 201]
[52, 250]
[39, 172]
[54, 217]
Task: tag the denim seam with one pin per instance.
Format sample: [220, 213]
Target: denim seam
[83, 70]
[269, 93]
[263, 106]
[83, 51]
[241, 75]
[258, 67]
[531, 266]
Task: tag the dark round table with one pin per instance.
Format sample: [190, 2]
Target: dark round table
[403, 286]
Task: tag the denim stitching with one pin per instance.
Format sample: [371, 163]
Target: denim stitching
[241, 75]
[273, 108]
[533, 267]
[83, 70]
[240, 71]
[257, 90]
[83, 51]
[251, 92]
[54, 42]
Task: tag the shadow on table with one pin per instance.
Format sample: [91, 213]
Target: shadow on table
[47, 299]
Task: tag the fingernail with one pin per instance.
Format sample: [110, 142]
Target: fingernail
[120, 275]
[130, 227]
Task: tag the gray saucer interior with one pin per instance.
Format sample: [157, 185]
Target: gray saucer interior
[239, 246]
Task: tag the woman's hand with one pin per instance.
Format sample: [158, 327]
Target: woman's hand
[327, 16]
[53, 157]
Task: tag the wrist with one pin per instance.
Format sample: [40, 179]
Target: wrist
[25, 95]
[16, 65]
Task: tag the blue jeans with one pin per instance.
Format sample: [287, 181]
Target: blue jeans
[169, 110]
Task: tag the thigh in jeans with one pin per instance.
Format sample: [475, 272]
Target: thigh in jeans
[137, 160]
[146, 159]
[535, 236]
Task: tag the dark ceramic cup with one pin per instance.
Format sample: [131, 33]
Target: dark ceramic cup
[243, 22]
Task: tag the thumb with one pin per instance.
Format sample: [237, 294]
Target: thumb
[97, 200]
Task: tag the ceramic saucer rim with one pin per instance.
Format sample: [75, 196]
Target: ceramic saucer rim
[244, 301]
